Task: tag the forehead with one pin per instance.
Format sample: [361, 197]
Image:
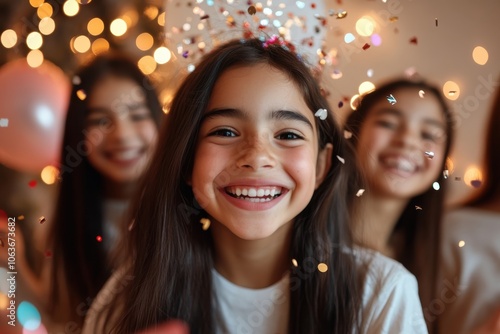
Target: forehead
[409, 105]
[113, 90]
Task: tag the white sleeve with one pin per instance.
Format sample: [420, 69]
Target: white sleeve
[390, 300]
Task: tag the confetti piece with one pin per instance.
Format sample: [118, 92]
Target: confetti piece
[414, 40]
[436, 21]
[322, 267]
[341, 159]
[294, 262]
[446, 173]
[458, 178]
[391, 99]
[98, 238]
[366, 46]
[436, 186]
[347, 134]
[429, 154]
[21, 217]
[251, 10]
[4, 122]
[393, 19]
[321, 114]
[41, 220]
[475, 183]
[421, 93]
[204, 17]
[341, 104]
[185, 54]
[461, 243]
[81, 94]
[342, 14]
[418, 207]
[360, 192]
[205, 223]
[32, 183]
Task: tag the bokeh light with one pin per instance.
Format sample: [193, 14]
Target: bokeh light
[100, 45]
[451, 90]
[365, 26]
[162, 55]
[348, 38]
[47, 25]
[95, 26]
[366, 87]
[147, 64]
[151, 12]
[36, 3]
[480, 55]
[71, 8]
[144, 41]
[473, 177]
[118, 27]
[44, 10]
[8, 38]
[81, 44]
[49, 174]
[34, 40]
[34, 58]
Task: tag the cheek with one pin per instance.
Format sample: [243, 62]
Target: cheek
[149, 133]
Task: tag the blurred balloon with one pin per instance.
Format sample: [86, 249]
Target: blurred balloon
[32, 114]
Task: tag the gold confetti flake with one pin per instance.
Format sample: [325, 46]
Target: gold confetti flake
[205, 222]
[322, 267]
[294, 262]
[41, 220]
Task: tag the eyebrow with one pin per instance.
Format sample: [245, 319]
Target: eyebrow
[398, 113]
[275, 115]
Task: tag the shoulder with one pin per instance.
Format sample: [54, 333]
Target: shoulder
[98, 312]
[390, 295]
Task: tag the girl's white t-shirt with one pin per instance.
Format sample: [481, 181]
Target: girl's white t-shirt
[390, 301]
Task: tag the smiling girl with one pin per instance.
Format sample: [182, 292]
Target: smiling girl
[242, 225]
[402, 149]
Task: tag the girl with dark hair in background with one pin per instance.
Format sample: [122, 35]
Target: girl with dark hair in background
[402, 133]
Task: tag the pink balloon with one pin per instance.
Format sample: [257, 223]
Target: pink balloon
[33, 103]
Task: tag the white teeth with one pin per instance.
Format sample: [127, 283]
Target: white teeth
[257, 193]
[125, 155]
[401, 164]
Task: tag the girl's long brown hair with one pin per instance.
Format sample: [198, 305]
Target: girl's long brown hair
[172, 255]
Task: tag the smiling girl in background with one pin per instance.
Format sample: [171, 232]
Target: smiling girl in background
[402, 133]
[110, 134]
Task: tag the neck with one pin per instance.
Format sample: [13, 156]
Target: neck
[253, 264]
[374, 227]
[117, 190]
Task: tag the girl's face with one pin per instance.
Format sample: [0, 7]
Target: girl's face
[393, 140]
[120, 130]
[257, 163]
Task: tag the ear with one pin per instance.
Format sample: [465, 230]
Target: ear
[323, 164]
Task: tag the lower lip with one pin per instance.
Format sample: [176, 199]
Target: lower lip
[126, 163]
[252, 206]
[399, 172]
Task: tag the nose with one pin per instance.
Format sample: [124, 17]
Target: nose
[122, 129]
[408, 137]
[256, 153]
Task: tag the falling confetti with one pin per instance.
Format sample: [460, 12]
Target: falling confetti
[475, 183]
[429, 154]
[391, 99]
[321, 114]
[366, 46]
[341, 159]
[446, 173]
[252, 10]
[458, 178]
[393, 19]
[436, 21]
[41, 220]
[76, 80]
[4, 122]
[21, 217]
[205, 223]
[204, 17]
[421, 93]
[360, 192]
[98, 238]
[436, 186]
[32, 183]
[322, 267]
[185, 54]
[341, 104]
[347, 134]
[461, 243]
[341, 15]
[414, 40]
[418, 207]
[294, 262]
[81, 94]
